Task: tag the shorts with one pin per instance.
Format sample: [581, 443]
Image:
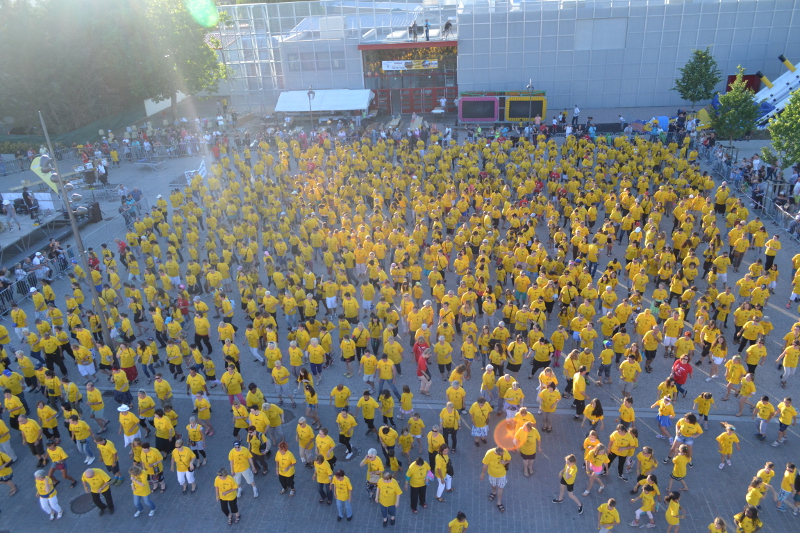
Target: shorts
[445, 368]
[36, 449]
[717, 360]
[349, 359]
[369, 377]
[722, 277]
[246, 474]
[62, 465]
[676, 478]
[576, 336]
[370, 422]
[498, 482]
[783, 495]
[782, 427]
[604, 370]
[283, 390]
[366, 305]
[479, 432]
[527, 457]
[570, 486]
[6, 478]
[626, 386]
[113, 469]
[185, 477]
[86, 370]
[596, 469]
[670, 341]
[312, 407]
[330, 302]
[689, 441]
[794, 296]
[97, 414]
[513, 368]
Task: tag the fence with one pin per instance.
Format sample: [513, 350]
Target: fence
[126, 153]
[50, 269]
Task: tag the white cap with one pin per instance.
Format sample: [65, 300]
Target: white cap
[123, 408]
[33, 289]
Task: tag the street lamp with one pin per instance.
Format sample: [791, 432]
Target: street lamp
[48, 164]
[530, 105]
[311, 94]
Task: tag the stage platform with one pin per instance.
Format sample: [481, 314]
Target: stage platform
[15, 244]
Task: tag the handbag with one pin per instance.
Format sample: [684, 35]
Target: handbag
[374, 478]
[449, 468]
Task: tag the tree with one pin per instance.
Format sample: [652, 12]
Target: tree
[171, 52]
[785, 132]
[737, 111]
[59, 61]
[699, 77]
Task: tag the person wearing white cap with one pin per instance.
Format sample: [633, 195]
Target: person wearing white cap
[39, 304]
[11, 214]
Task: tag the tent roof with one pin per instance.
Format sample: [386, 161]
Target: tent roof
[324, 100]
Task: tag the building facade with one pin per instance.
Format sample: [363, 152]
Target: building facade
[594, 53]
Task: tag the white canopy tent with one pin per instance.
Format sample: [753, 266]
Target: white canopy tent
[324, 101]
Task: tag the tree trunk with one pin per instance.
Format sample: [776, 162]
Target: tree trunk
[173, 106]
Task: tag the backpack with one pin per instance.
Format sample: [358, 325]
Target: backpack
[263, 448]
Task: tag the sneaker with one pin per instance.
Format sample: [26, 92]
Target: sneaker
[670, 441]
[728, 462]
[338, 518]
[660, 437]
[665, 460]
[709, 379]
[721, 466]
[61, 513]
[650, 524]
[691, 465]
[580, 509]
[776, 444]
[90, 460]
[586, 493]
[349, 455]
[558, 501]
[349, 518]
[600, 490]
[136, 514]
[623, 478]
[151, 513]
[255, 492]
[783, 440]
[783, 508]
[635, 523]
[86, 461]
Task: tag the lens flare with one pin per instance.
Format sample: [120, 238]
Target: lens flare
[504, 434]
[204, 12]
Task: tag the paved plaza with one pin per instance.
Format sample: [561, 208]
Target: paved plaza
[527, 500]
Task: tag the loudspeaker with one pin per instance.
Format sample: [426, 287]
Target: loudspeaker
[96, 214]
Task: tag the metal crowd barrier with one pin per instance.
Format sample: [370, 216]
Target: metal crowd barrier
[19, 290]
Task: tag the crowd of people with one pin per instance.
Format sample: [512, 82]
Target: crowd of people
[383, 257]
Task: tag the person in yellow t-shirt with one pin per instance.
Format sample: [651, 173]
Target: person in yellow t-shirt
[528, 442]
[284, 461]
[343, 489]
[495, 462]
[48, 497]
[97, 483]
[59, 462]
[227, 492]
[140, 487]
[607, 516]
[459, 524]
[388, 497]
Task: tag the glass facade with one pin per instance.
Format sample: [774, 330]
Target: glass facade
[595, 53]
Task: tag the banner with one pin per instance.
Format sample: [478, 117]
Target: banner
[201, 170]
[45, 176]
[415, 64]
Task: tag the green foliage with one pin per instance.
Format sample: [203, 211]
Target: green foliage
[737, 111]
[81, 60]
[785, 132]
[699, 77]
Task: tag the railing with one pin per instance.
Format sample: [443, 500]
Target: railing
[19, 290]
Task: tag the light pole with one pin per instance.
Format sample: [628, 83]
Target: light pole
[311, 94]
[530, 105]
[49, 164]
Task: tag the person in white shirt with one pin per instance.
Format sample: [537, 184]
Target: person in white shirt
[575, 113]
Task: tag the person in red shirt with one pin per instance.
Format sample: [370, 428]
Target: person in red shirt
[420, 346]
[422, 372]
[681, 371]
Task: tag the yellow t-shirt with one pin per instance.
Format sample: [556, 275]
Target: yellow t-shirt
[494, 462]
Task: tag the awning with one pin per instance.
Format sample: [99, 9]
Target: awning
[324, 100]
